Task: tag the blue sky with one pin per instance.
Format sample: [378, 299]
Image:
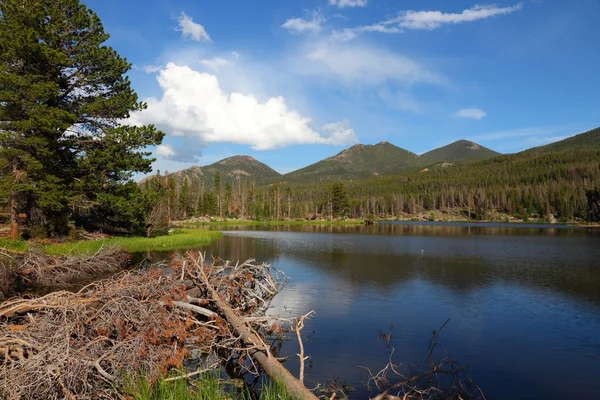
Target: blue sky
[293, 82]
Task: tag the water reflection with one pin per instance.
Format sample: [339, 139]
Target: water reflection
[523, 301]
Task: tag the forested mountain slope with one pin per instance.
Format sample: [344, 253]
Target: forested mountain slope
[359, 161]
[458, 152]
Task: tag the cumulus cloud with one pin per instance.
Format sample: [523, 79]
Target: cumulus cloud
[360, 64]
[194, 105]
[472, 113]
[300, 25]
[434, 19]
[215, 63]
[348, 3]
[165, 151]
[192, 30]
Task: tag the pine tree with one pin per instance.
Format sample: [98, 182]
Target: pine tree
[184, 198]
[339, 200]
[63, 96]
[217, 192]
[228, 197]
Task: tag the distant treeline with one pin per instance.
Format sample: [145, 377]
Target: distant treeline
[560, 184]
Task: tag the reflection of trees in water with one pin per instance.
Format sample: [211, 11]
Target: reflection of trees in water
[462, 274]
[436, 229]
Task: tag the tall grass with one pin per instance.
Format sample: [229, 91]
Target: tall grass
[207, 387]
[178, 239]
[14, 245]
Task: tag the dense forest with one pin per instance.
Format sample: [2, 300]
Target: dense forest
[558, 181]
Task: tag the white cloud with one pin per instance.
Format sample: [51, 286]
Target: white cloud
[434, 19]
[150, 69]
[300, 25]
[165, 150]
[215, 63]
[428, 20]
[348, 3]
[191, 29]
[194, 105]
[356, 64]
[350, 33]
[472, 113]
[340, 133]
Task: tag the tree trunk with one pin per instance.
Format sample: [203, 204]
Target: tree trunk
[270, 364]
[14, 216]
[14, 208]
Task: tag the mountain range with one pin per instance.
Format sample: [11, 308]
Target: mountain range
[363, 161]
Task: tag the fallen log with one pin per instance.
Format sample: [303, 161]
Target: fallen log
[256, 347]
[83, 344]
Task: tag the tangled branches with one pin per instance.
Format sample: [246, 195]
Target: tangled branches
[440, 378]
[81, 345]
[36, 268]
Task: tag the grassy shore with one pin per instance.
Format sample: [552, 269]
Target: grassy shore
[178, 239]
[207, 387]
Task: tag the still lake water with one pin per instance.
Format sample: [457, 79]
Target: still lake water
[523, 301]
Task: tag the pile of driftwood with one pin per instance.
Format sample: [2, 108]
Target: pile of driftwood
[84, 345]
[35, 268]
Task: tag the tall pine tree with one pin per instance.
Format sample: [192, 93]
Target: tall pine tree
[64, 151]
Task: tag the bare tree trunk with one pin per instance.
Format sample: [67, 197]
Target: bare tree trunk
[14, 217]
[14, 208]
[270, 364]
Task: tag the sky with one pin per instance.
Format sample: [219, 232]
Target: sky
[293, 82]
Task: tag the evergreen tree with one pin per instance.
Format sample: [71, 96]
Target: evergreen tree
[228, 197]
[210, 203]
[593, 201]
[64, 152]
[184, 198]
[339, 200]
[217, 192]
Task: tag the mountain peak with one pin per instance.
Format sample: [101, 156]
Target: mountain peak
[356, 162]
[236, 159]
[459, 151]
[467, 144]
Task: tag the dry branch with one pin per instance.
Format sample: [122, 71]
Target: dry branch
[81, 345]
[441, 378]
[258, 350]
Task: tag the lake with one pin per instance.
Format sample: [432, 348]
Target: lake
[523, 300]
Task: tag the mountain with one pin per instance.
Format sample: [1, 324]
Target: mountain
[359, 161]
[583, 141]
[232, 167]
[460, 151]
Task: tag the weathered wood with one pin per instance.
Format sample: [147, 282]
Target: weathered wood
[197, 309]
[271, 366]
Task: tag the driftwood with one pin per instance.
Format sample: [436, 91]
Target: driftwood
[37, 269]
[257, 349]
[83, 345]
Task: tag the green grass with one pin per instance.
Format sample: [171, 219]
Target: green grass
[207, 387]
[179, 239]
[14, 245]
